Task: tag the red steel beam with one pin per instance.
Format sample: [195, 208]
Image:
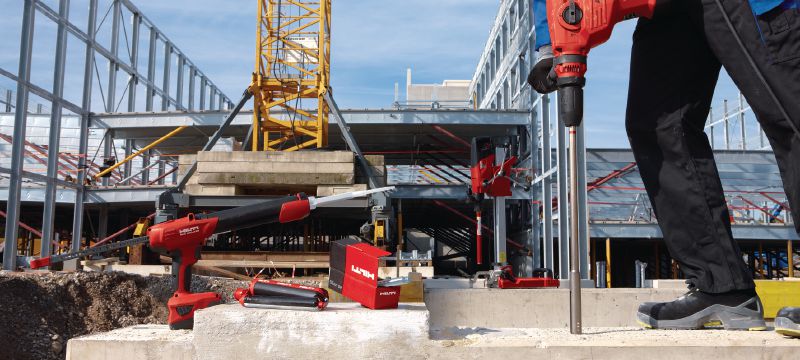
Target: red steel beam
[452, 136]
[120, 232]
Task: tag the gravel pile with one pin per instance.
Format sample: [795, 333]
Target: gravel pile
[41, 311]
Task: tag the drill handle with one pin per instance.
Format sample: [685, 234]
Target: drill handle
[182, 261]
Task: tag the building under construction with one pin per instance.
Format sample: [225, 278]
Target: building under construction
[151, 139]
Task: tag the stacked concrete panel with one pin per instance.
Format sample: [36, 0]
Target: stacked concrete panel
[266, 173]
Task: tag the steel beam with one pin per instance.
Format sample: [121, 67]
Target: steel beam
[53, 143]
[18, 145]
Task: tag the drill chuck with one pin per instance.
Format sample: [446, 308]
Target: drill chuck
[570, 105]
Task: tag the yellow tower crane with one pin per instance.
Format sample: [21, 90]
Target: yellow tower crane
[292, 74]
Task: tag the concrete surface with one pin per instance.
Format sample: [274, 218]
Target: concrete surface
[610, 343]
[141, 342]
[342, 331]
[536, 308]
[248, 336]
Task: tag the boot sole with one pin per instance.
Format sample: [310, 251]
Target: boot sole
[715, 316]
[787, 327]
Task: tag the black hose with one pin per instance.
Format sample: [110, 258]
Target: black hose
[756, 69]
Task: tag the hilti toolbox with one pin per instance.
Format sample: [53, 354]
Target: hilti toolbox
[354, 274]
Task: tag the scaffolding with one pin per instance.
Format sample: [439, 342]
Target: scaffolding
[292, 73]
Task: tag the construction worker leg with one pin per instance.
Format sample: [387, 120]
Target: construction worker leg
[673, 75]
[773, 41]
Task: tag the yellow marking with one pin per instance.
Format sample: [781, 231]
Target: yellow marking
[647, 326]
[429, 176]
[777, 294]
[788, 332]
[757, 328]
[714, 323]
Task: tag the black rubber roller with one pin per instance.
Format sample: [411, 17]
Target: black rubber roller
[283, 301]
[266, 289]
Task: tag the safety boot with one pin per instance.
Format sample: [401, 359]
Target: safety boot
[733, 310]
[787, 322]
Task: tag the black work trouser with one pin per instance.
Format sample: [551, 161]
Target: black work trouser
[675, 64]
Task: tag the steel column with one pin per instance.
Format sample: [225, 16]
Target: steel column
[162, 168]
[534, 238]
[112, 65]
[547, 187]
[726, 125]
[53, 143]
[136, 23]
[146, 165]
[83, 148]
[18, 143]
[151, 70]
[167, 68]
[127, 169]
[191, 88]
[499, 209]
[202, 93]
[742, 128]
[179, 80]
[108, 140]
[9, 94]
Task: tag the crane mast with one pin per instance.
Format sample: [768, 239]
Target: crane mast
[292, 74]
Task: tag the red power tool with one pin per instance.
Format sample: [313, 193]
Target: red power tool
[183, 238]
[576, 26]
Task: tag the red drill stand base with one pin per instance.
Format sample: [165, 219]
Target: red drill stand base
[182, 306]
[507, 280]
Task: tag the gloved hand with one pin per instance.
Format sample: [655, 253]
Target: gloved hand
[543, 76]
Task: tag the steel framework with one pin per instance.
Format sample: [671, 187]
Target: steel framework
[126, 73]
[292, 73]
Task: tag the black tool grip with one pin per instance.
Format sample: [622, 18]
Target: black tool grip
[570, 105]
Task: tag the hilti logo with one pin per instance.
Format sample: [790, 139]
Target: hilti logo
[189, 231]
[362, 272]
[387, 293]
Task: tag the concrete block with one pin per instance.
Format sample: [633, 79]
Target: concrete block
[328, 190]
[274, 156]
[212, 190]
[187, 159]
[140, 342]
[274, 179]
[143, 270]
[204, 167]
[537, 308]
[342, 331]
[375, 160]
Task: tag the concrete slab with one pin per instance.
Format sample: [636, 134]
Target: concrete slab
[140, 342]
[342, 331]
[610, 343]
[536, 308]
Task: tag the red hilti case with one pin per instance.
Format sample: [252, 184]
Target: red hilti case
[354, 274]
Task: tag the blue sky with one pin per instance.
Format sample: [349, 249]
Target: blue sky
[374, 41]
